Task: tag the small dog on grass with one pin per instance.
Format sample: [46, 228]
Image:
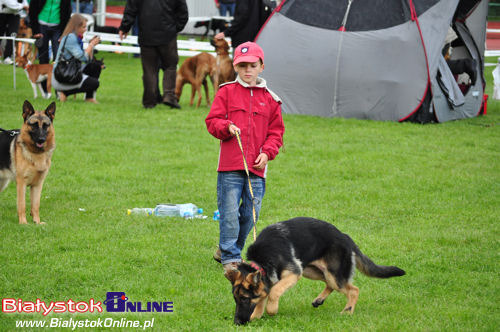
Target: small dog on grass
[25, 156]
[287, 250]
[94, 67]
[37, 73]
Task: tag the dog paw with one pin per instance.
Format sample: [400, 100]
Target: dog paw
[347, 310]
[272, 309]
[316, 303]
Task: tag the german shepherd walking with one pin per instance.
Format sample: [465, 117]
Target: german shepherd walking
[25, 155]
[285, 251]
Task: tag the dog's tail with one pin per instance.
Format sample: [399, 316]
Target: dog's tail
[369, 268]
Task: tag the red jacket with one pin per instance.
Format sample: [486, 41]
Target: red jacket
[257, 112]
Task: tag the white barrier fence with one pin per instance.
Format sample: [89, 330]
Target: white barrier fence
[127, 45]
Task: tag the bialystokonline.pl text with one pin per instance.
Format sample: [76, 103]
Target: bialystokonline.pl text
[85, 323]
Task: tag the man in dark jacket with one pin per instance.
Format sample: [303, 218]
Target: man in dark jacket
[249, 16]
[159, 22]
[48, 18]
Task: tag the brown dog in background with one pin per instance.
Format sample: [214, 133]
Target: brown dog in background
[37, 73]
[25, 49]
[25, 155]
[224, 64]
[194, 71]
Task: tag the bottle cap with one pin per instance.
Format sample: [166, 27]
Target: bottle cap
[129, 212]
[200, 211]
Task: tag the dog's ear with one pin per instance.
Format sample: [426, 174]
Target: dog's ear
[232, 275]
[28, 110]
[256, 278]
[51, 111]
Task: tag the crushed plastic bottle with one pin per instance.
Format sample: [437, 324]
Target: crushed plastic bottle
[188, 210]
[140, 211]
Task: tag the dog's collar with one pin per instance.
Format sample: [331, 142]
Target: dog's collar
[258, 268]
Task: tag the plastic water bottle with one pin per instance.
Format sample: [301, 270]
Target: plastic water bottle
[216, 215]
[188, 210]
[167, 210]
[140, 211]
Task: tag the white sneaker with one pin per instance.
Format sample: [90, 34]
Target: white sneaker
[8, 61]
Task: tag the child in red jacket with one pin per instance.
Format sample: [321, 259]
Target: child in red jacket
[248, 107]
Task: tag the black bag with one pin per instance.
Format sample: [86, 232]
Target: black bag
[68, 71]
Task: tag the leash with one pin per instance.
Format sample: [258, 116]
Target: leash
[249, 185]
[11, 132]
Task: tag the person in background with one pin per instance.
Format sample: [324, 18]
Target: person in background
[85, 7]
[159, 22]
[48, 18]
[10, 16]
[226, 7]
[249, 16]
[72, 46]
[247, 107]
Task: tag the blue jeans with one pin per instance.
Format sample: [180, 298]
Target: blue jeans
[235, 206]
[227, 7]
[85, 7]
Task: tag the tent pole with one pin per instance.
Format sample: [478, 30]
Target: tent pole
[337, 66]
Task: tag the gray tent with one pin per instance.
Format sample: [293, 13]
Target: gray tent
[377, 59]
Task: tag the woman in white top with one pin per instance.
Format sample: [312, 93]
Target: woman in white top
[10, 16]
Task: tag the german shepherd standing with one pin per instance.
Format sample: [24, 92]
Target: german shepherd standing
[25, 156]
[302, 246]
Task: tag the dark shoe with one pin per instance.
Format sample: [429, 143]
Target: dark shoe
[149, 106]
[217, 255]
[173, 104]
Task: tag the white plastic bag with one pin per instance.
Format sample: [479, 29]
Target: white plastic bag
[496, 81]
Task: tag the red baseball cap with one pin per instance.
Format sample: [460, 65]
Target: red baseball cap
[248, 52]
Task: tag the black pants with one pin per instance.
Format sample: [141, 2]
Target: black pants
[91, 83]
[153, 58]
[9, 24]
[52, 34]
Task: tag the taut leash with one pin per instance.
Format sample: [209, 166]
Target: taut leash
[249, 185]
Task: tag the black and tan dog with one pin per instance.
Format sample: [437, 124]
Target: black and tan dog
[25, 156]
[284, 252]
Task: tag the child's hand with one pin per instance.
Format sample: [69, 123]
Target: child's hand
[233, 129]
[261, 161]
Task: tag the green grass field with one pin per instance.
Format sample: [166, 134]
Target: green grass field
[423, 197]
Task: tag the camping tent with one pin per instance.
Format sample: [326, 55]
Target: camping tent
[376, 59]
